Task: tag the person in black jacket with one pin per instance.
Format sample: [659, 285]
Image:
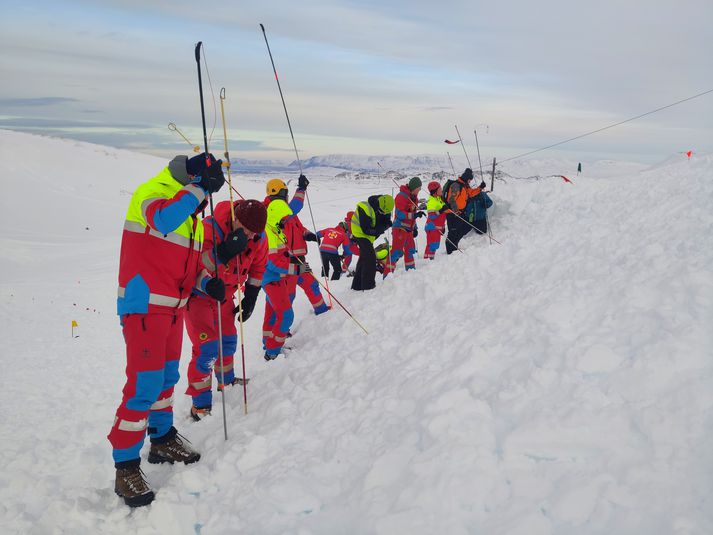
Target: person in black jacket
[370, 220]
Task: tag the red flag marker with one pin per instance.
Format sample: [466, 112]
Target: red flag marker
[452, 142]
[689, 153]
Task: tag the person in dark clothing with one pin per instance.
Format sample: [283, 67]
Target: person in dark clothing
[370, 220]
[478, 211]
[457, 198]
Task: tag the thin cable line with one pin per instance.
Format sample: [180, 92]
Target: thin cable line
[212, 93]
[605, 127]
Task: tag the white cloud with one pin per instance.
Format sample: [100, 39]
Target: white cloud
[364, 71]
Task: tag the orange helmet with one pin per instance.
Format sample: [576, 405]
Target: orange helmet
[274, 186]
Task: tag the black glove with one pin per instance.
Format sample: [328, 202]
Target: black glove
[248, 302]
[304, 268]
[482, 185]
[311, 236]
[215, 287]
[422, 206]
[420, 214]
[233, 245]
[302, 182]
[444, 208]
[211, 178]
[415, 232]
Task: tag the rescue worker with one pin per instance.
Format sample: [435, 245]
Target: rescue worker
[404, 230]
[242, 253]
[370, 220]
[382, 255]
[436, 220]
[300, 273]
[285, 234]
[160, 250]
[456, 198]
[353, 247]
[331, 239]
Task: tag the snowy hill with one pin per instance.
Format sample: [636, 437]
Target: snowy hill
[557, 383]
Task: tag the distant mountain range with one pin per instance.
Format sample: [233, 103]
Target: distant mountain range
[428, 166]
[348, 162]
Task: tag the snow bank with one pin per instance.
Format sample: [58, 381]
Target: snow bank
[557, 383]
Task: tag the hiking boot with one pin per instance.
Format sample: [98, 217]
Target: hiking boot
[131, 484]
[199, 413]
[236, 381]
[172, 447]
[269, 358]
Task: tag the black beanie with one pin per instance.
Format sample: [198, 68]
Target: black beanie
[467, 174]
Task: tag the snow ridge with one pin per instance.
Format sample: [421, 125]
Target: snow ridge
[557, 383]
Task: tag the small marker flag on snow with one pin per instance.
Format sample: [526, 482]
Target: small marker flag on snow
[689, 153]
[451, 142]
[566, 179]
[74, 323]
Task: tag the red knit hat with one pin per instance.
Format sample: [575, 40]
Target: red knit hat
[252, 215]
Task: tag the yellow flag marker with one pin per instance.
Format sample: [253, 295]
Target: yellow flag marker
[74, 324]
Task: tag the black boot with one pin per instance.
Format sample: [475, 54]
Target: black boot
[131, 484]
[172, 447]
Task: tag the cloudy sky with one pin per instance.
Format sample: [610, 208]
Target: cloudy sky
[364, 77]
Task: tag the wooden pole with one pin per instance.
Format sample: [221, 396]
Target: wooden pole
[492, 178]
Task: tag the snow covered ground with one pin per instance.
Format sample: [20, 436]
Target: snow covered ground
[558, 383]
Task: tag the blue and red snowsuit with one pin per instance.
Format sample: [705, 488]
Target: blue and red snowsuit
[202, 311]
[278, 306]
[298, 276]
[353, 245]
[435, 226]
[331, 240]
[402, 242]
[160, 250]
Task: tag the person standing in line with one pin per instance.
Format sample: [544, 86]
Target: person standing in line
[404, 230]
[456, 197]
[353, 247]
[242, 254]
[300, 272]
[436, 220]
[370, 220]
[160, 249]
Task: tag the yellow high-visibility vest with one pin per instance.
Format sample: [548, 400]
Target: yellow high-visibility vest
[357, 232]
[162, 186]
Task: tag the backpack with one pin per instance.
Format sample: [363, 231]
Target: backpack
[470, 209]
[446, 190]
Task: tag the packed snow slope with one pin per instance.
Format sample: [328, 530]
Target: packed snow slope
[557, 383]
